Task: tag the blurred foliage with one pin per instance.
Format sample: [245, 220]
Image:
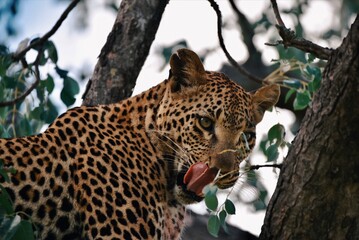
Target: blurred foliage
[28, 116]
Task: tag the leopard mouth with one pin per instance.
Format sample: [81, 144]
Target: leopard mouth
[193, 180]
[189, 194]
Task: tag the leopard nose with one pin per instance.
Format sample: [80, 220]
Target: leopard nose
[224, 161]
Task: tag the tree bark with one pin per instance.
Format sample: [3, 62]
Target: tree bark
[124, 52]
[317, 195]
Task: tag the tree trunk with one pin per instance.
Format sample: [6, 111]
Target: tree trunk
[124, 52]
[317, 196]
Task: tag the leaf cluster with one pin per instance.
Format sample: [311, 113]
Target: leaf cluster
[274, 142]
[218, 213]
[303, 90]
[24, 112]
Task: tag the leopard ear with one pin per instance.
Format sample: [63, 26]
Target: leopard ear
[186, 70]
[263, 99]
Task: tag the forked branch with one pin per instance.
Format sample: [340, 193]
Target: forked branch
[291, 40]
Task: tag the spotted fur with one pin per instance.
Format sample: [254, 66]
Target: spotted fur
[116, 171]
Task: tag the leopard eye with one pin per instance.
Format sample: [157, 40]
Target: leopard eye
[206, 123]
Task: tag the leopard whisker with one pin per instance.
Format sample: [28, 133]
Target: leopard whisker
[168, 145]
[180, 151]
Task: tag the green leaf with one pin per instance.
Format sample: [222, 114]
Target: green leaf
[24, 231]
[5, 202]
[293, 83]
[61, 72]
[4, 174]
[291, 53]
[24, 128]
[51, 50]
[211, 201]
[9, 82]
[289, 94]
[213, 225]
[222, 217]
[50, 85]
[272, 153]
[315, 83]
[229, 206]
[70, 89]
[5, 59]
[43, 59]
[276, 132]
[40, 91]
[301, 101]
[4, 133]
[315, 71]
[5, 225]
[210, 189]
[262, 146]
[37, 112]
[50, 112]
[9, 226]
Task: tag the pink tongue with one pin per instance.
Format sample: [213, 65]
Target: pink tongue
[198, 176]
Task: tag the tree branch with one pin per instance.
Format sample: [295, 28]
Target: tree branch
[256, 167]
[291, 40]
[43, 39]
[32, 87]
[243, 71]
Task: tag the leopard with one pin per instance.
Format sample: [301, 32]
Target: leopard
[128, 170]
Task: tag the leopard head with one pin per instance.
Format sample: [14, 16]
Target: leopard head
[207, 124]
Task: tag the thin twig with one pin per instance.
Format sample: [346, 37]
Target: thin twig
[244, 72]
[291, 40]
[256, 167]
[32, 87]
[37, 43]
[53, 30]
